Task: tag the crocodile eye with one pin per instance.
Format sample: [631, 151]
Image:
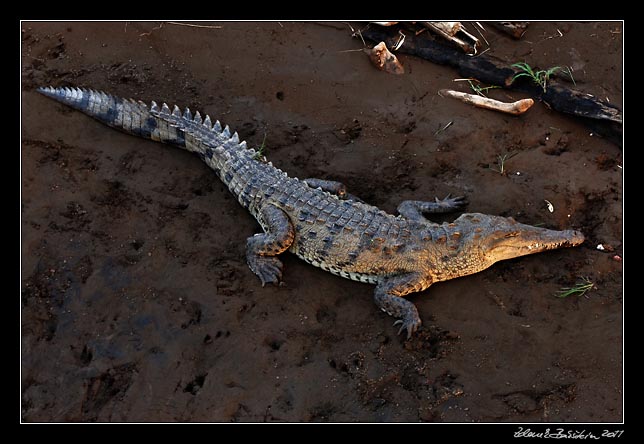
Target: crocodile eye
[512, 234]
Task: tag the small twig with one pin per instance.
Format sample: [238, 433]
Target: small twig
[361, 38]
[153, 29]
[358, 33]
[195, 26]
[482, 52]
[440, 130]
[401, 40]
[481, 34]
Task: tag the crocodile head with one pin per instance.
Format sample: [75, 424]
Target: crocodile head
[484, 240]
[503, 238]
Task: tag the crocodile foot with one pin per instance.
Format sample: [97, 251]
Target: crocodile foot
[267, 268]
[411, 324]
[449, 203]
[415, 209]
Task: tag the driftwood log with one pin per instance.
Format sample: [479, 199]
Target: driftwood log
[601, 117]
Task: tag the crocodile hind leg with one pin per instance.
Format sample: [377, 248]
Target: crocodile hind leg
[330, 186]
[262, 249]
[414, 209]
[389, 294]
[333, 187]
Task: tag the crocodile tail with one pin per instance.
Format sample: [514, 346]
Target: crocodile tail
[155, 122]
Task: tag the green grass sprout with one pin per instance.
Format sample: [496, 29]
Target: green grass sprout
[579, 288]
[540, 77]
[501, 159]
[260, 153]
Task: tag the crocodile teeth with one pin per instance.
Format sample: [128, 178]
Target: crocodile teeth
[226, 132]
[176, 111]
[197, 118]
[217, 126]
[154, 107]
[165, 109]
[207, 123]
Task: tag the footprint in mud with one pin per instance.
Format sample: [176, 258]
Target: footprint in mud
[100, 390]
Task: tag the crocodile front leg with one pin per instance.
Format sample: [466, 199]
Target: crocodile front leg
[262, 249]
[414, 209]
[389, 297]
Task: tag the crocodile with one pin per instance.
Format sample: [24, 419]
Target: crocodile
[320, 222]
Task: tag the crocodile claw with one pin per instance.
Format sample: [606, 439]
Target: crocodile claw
[453, 203]
[267, 268]
[411, 325]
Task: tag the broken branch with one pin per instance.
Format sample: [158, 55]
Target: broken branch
[455, 33]
[514, 108]
[514, 29]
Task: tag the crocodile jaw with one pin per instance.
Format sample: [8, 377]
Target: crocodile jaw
[523, 239]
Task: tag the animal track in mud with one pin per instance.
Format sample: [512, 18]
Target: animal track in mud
[188, 312]
[131, 162]
[228, 277]
[532, 400]
[352, 366]
[274, 342]
[124, 73]
[196, 384]
[322, 412]
[348, 132]
[443, 169]
[203, 184]
[112, 194]
[591, 213]
[553, 148]
[44, 291]
[76, 219]
[72, 160]
[208, 339]
[101, 390]
[86, 356]
[604, 162]
[432, 339]
[325, 314]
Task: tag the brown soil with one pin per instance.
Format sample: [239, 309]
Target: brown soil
[137, 304]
